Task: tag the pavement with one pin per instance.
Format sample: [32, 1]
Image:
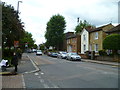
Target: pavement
[13, 80]
[16, 80]
[102, 62]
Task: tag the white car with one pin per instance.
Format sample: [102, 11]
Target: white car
[38, 52]
[62, 55]
[73, 56]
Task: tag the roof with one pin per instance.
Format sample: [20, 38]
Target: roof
[99, 28]
[89, 28]
[71, 36]
[114, 29]
[68, 34]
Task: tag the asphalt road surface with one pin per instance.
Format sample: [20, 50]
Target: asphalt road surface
[61, 73]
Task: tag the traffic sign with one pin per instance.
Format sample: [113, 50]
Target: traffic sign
[16, 43]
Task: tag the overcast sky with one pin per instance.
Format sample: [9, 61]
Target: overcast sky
[36, 13]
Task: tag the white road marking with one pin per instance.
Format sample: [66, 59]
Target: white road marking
[39, 76]
[42, 73]
[46, 86]
[105, 72]
[36, 74]
[41, 80]
[54, 86]
[23, 82]
[33, 63]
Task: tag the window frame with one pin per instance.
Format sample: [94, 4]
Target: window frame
[96, 35]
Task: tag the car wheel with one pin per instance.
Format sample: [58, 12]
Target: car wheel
[71, 59]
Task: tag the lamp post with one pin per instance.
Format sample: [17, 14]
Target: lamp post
[18, 6]
[78, 20]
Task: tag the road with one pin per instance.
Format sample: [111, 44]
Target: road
[61, 73]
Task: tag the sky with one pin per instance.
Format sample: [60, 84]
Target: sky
[36, 13]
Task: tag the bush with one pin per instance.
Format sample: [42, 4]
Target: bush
[7, 55]
[102, 52]
[112, 42]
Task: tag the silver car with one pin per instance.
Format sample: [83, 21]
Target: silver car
[73, 56]
[39, 52]
[62, 55]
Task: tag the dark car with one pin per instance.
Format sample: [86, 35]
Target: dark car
[29, 51]
[49, 53]
[54, 54]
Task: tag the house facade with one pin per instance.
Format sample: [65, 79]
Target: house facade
[65, 40]
[114, 30]
[97, 36]
[84, 41]
[73, 43]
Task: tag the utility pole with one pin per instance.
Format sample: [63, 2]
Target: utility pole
[78, 20]
[16, 42]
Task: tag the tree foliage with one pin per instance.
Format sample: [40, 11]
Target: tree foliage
[28, 39]
[112, 42]
[42, 46]
[82, 25]
[12, 26]
[55, 31]
[13, 29]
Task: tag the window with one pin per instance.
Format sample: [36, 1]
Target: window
[96, 47]
[84, 37]
[73, 40]
[96, 35]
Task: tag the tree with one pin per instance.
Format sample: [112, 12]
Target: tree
[55, 31]
[82, 25]
[35, 46]
[42, 46]
[12, 27]
[112, 42]
[28, 39]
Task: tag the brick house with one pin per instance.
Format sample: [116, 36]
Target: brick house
[114, 30]
[64, 48]
[73, 43]
[97, 36]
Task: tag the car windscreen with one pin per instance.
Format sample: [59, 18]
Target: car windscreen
[64, 53]
[38, 50]
[74, 54]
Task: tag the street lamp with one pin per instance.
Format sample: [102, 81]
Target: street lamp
[18, 6]
[78, 20]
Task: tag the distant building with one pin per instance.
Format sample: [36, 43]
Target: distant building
[64, 48]
[114, 30]
[97, 36]
[73, 43]
[85, 39]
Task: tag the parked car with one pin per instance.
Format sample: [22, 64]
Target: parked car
[54, 54]
[29, 51]
[49, 53]
[62, 54]
[73, 56]
[38, 52]
[34, 50]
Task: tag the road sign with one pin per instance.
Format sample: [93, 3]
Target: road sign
[26, 44]
[16, 43]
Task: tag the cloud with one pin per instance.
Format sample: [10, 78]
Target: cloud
[36, 13]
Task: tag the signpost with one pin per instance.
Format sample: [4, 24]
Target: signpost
[26, 46]
[16, 43]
